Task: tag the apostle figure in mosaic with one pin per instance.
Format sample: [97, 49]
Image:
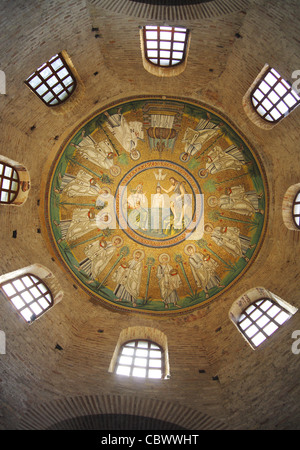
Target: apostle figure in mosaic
[107, 217]
[128, 278]
[219, 160]
[99, 153]
[126, 133]
[98, 255]
[238, 200]
[169, 281]
[203, 269]
[230, 239]
[83, 221]
[194, 140]
[79, 185]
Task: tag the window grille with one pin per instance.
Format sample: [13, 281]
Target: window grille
[296, 210]
[273, 98]
[140, 358]
[261, 319]
[53, 82]
[29, 295]
[165, 46]
[9, 183]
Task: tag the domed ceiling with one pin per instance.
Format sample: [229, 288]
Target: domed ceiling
[156, 205]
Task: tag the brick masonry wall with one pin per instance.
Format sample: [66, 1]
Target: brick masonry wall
[254, 389]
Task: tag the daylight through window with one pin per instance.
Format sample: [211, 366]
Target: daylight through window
[9, 183]
[165, 46]
[29, 295]
[259, 320]
[273, 98]
[53, 82]
[140, 358]
[296, 210]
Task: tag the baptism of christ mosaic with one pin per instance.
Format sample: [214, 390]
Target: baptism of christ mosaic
[156, 205]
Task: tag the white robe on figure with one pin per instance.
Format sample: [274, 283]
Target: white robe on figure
[204, 271]
[96, 152]
[220, 160]
[106, 218]
[231, 240]
[239, 201]
[138, 210]
[194, 140]
[79, 186]
[127, 134]
[99, 257]
[168, 283]
[128, 280]
[80, 224]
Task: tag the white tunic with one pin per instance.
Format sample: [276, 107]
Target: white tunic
[96, 152]
[128, 280]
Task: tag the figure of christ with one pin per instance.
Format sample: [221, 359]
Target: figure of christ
[128, 278]
[203, 269]
[159, 210]
[169, 281]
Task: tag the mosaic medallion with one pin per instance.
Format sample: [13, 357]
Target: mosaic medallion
[156, 205]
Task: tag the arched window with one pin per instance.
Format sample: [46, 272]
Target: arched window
[140, 358]
[29, 295]
[273, 98]
[291, 207]
[260, 319]
[32, 290]
[258, 313]
[14, 182]
[53, 82]
[296, 210]
[141, 352]
[9, 183]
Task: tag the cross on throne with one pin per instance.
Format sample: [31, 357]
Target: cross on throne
[162, 124]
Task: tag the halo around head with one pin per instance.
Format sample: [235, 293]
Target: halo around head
[187, 247]
[212, 201]
[139, 251]
[163, 255]
[115, 238]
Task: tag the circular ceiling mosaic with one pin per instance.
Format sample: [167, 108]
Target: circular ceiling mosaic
[156, 205]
